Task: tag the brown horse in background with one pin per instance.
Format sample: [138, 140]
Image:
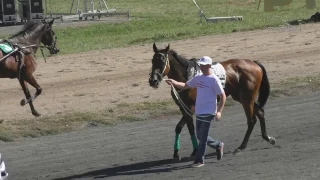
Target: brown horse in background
[245, 81]
[21, 63]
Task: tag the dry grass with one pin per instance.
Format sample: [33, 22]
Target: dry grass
[123, 112]
[36, 127]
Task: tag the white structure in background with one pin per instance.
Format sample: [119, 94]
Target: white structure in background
[93, 10]
[217, 19]
[3, 172]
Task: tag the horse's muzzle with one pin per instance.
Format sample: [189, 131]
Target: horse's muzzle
[54, 50]
[154, 83]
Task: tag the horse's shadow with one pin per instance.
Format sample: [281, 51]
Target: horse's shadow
[158, 166]
[300, 21]
[313, 19]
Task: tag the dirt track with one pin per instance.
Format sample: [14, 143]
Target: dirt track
[100, 79]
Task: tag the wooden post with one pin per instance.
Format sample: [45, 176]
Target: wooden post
[268, 5]
[311, 4]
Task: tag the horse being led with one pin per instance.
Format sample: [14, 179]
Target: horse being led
[245, 80]
[17, 56]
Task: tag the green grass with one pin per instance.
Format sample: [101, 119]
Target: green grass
[167, 20]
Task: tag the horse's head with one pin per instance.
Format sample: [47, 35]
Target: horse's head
[160, 66]
[35, 32]
[49, 38]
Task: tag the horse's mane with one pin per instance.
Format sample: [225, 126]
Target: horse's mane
[28, 26]
[182, 60]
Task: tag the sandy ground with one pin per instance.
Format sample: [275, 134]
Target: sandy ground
[100, 79]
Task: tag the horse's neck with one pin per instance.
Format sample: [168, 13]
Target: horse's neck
[28, 40]
[178, 71]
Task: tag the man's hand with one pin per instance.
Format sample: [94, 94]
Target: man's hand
[170, 81]
[180, 85]
[218, 116]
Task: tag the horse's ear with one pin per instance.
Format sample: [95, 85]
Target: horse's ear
[155, 49]
[51, 22]
[167, 48]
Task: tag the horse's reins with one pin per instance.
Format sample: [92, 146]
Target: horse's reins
[24, 47]
[183, 105]
[41, 46]
[175, 92]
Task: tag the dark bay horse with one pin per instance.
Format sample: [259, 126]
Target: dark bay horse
[245, 80]
[20, 63]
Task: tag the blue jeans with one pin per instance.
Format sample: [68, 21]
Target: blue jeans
[203, 122]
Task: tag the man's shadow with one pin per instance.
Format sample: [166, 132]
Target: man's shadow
[133, 169]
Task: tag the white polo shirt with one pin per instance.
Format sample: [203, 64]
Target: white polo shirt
[208, 87]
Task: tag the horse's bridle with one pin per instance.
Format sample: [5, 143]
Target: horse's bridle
[166, 68]
[175, 92]
[52, 48]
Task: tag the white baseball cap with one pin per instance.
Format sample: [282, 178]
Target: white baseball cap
[205, 60]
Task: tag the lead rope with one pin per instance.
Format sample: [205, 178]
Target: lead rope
[45, 60]
[184, 106]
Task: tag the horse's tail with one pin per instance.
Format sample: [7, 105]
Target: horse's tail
[264, 90]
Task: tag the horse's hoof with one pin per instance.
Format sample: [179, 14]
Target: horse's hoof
[236, 151]
[272, 140]
[36, 114]
[23, 102]
[176, 158]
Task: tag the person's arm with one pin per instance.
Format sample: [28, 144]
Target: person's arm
[180, 85]
[221, 105]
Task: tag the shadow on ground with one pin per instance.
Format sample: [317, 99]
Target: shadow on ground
[133, 169]
[313, 19]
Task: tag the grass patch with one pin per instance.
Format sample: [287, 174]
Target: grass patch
[5, 134]
[167, 20]
[296, 86]
[123, 112]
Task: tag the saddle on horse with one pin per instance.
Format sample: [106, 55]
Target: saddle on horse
[10, 48]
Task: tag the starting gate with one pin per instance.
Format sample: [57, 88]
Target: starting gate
[8, 11]
[31, 10]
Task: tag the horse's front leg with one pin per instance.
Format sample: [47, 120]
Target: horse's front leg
[194, 140]
[29, 99]
[178, 130]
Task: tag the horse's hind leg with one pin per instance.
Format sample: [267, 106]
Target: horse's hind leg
[251, 121]
[28, 97]
[260, 114]
[32, 81]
